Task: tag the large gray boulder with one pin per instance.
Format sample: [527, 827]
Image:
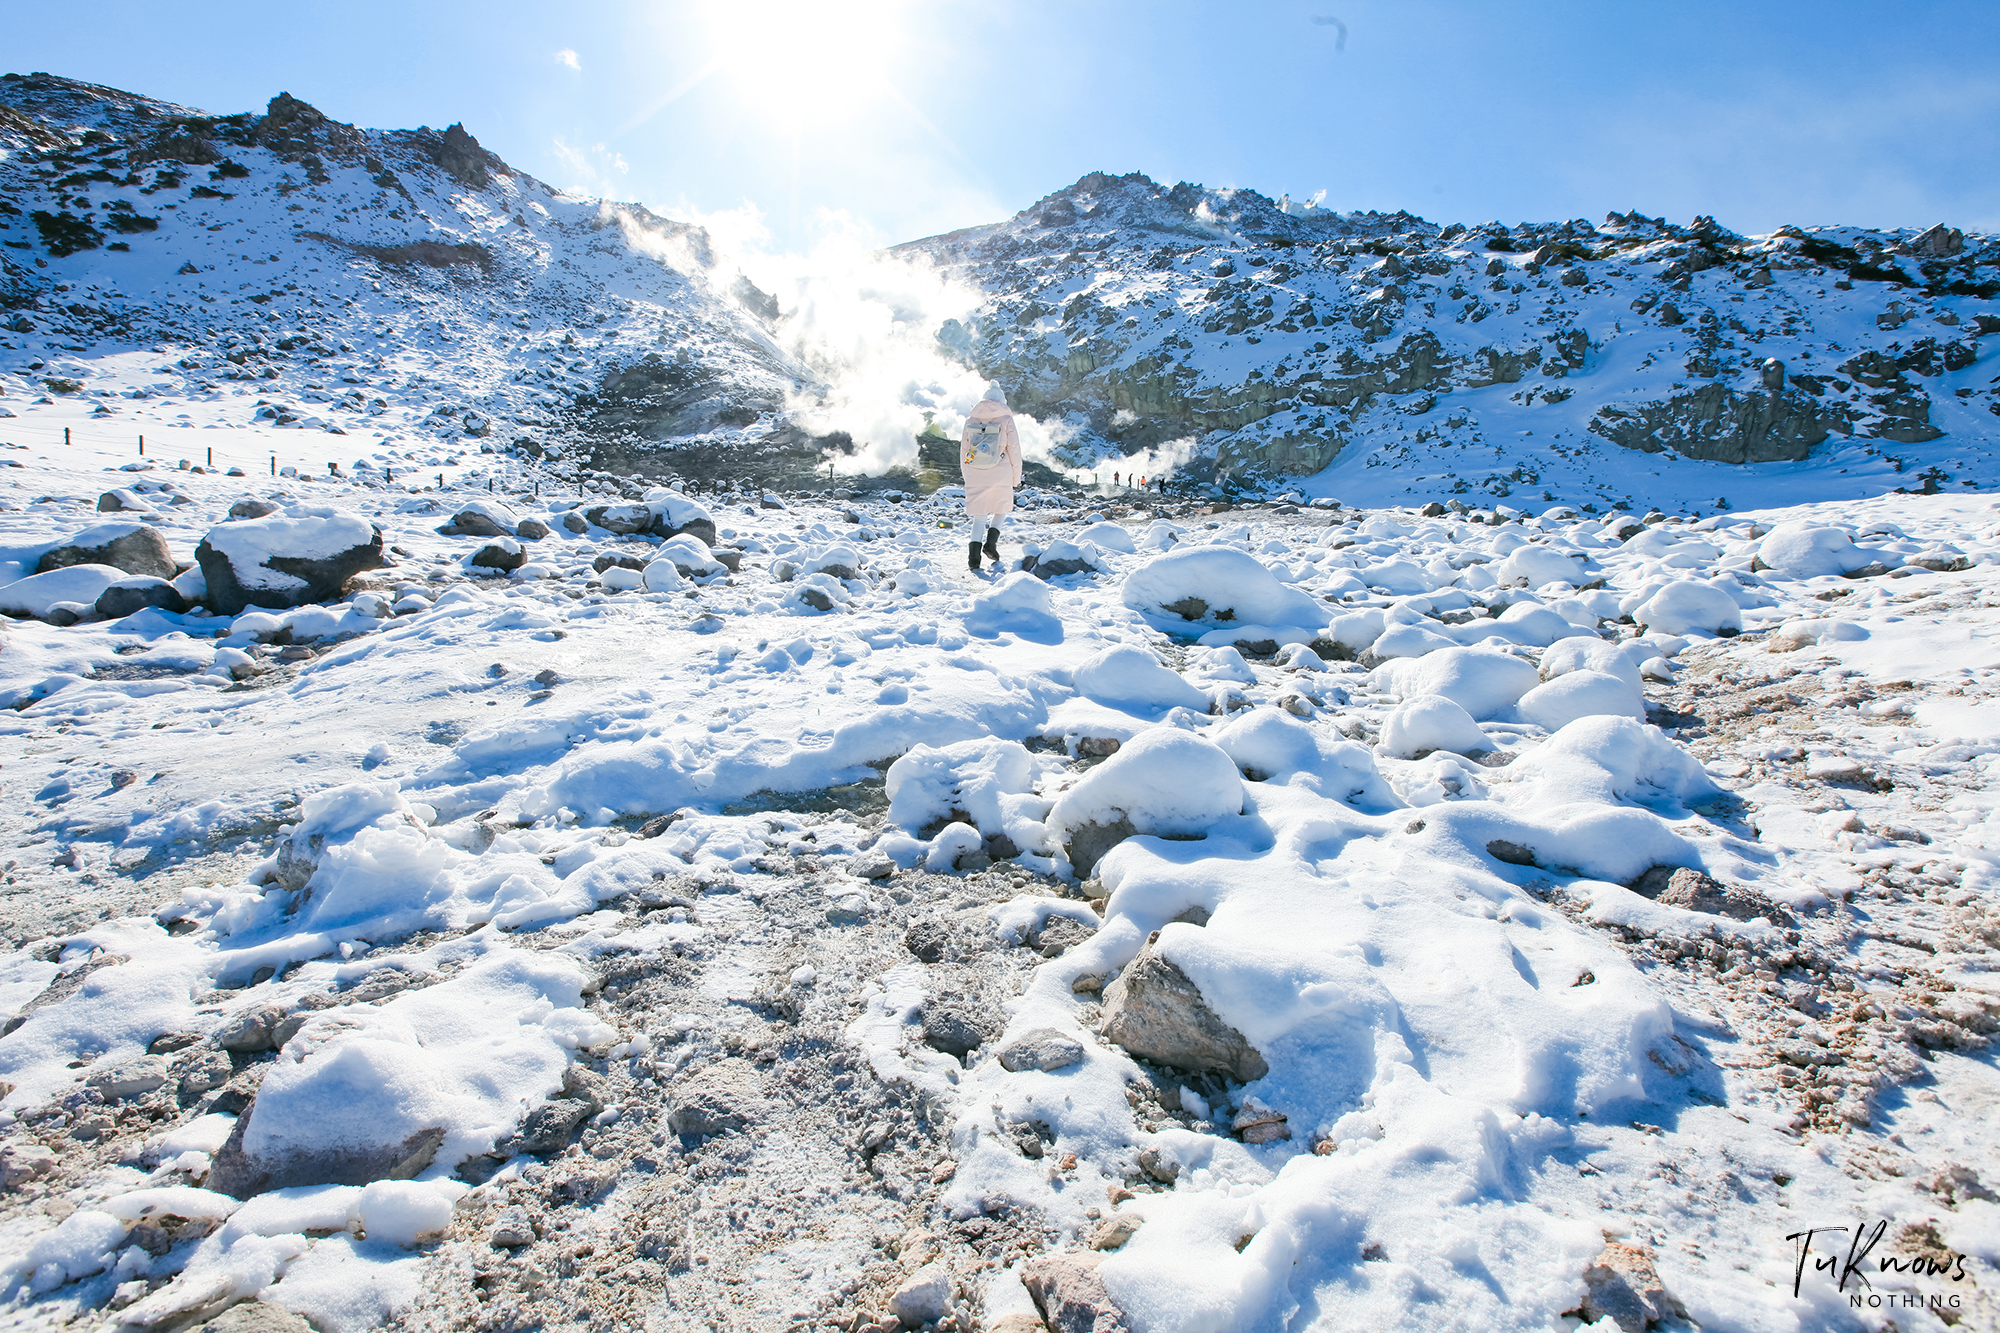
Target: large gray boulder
[286, 560]
[666, 517]
[131, 595]
[132, 547]
[1154, 1011]
[484, 518]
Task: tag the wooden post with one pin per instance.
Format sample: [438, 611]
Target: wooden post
[142, 446]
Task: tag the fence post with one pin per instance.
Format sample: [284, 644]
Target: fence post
[211, 455]
[65, 434]
[142, 446]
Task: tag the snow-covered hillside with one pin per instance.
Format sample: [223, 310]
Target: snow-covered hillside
[1389, 359]
[406, 288]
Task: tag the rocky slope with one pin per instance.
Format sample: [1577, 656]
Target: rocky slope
[404, 282]
[1278, 339]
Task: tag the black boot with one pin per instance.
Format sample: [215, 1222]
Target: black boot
[993, 545]
[972, 556]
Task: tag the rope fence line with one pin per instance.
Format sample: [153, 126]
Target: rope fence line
[532, 474]
[539, 476]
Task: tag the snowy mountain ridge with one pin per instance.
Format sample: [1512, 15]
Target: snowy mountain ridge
[412, 282]
[405, 280]
[1223, 332]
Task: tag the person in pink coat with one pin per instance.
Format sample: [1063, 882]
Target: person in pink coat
[990, 462]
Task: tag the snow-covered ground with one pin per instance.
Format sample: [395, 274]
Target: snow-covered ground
[1356, 1020]
[1284, 917]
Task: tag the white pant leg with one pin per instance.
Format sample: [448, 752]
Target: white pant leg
[982, 522]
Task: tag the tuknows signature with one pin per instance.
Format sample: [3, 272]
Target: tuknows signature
[1860, 1245]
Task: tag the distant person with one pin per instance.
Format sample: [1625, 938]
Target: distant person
[1114, 479]
[990, 461]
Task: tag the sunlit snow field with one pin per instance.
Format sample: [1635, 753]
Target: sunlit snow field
[1389, 840]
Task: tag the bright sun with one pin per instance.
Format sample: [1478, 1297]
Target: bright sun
[807, 63]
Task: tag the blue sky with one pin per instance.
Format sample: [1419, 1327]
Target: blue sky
[900, 118]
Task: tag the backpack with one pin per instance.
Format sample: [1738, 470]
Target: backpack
[982, 444]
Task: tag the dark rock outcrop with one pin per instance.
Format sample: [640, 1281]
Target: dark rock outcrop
[1718, 425]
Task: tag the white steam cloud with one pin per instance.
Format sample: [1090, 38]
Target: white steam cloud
[865, 323]
[569, 58]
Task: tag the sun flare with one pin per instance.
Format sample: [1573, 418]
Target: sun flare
[803, 62]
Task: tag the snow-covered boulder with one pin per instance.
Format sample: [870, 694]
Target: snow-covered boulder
[662, 576]
[1796, 634]
[1064, 558]
[1533, 625]
[1211, 585]
[674, 514]
[1483, 681]
[1688, 607]
[1110, 536]
[137, 592]
[1156, 1010]
[1431, 722]
[1356, 631]
[986, 783]
[1409, 641]
[691, 556]
[1594, 654]
[369, 1092]
[38, 595]
[623, 519]
[1533, 566]
[307, 554]
[843, 562]
[1807, 550]
[1019, 604]
[1576, 694]
[1269, 745]
[122, 501]
[1163, 781]
[484, 518]
[503, 554]
[1608, 760]
[131, 547]
[1129, 677]
[1401, 578]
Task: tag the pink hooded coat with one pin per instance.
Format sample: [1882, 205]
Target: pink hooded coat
[990, 490]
